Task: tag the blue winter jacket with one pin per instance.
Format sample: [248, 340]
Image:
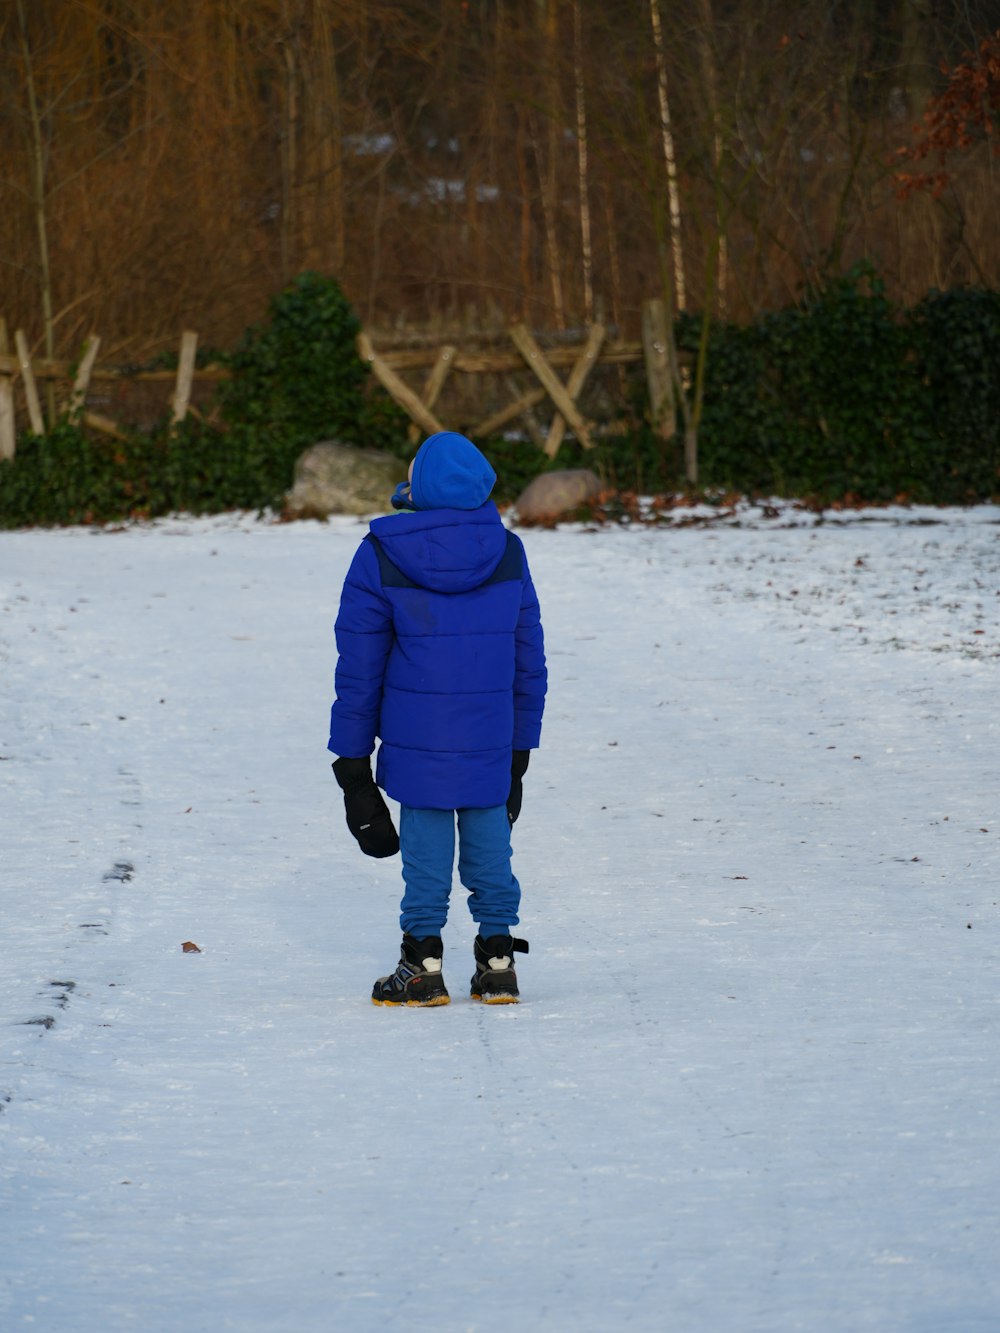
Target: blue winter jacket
[440, 645]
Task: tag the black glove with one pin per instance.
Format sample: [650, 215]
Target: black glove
[518, 768]
[368, 815]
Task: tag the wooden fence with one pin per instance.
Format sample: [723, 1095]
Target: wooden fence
[69, 384]
[74, 382]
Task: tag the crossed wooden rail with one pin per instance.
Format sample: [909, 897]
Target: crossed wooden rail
[418, 407]
[526, 352]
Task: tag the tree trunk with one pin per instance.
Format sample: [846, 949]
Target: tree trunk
[289, 163]
[711, 82]
[669, 157]
[39, 200]
[549, 168]
[581, 151]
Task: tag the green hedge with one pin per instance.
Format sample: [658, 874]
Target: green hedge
[839, 397]
[843, 396]
[955, 339]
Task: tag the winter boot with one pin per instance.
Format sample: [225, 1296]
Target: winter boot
[417, 980]
[495, 981]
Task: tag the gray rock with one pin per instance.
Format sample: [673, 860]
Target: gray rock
[333, 478]
[554, 494]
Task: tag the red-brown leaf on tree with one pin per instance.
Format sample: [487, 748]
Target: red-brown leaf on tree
[967, 107]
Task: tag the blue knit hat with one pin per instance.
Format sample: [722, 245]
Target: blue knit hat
[449, 472]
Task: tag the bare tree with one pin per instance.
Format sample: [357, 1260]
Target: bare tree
[581, 145]
[547, 152]
[669, 157]
[39, 189]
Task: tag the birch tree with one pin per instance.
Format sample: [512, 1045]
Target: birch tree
[38, 153]
[669, 157]
[547, 152]
[586, 249]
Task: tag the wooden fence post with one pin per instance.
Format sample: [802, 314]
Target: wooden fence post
[30, 388]
[527, 414]
[550, 381]
[185, 374]
[8, 430]
[105, 425]
[396, 388]
[523, 404]
[574, 384]
[435, 383]
[82, 382]
[658, 378]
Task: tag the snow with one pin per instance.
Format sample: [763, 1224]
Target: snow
[753, 1083]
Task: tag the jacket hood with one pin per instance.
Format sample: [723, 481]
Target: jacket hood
[444, 550]
[449, 472]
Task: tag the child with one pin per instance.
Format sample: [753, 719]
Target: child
[441, 657]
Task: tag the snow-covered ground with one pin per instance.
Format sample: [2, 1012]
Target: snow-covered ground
[755, 1080]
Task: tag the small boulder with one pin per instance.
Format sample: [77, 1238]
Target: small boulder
[333, 478]
[553, 494]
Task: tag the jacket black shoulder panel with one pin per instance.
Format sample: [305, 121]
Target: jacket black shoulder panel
[510, 568]
[392, 576]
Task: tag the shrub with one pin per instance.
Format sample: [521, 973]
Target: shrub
[62, 477]
[821, 399]
[296, 379]
[955, 338]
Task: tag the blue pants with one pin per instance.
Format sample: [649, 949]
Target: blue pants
[427, 846]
